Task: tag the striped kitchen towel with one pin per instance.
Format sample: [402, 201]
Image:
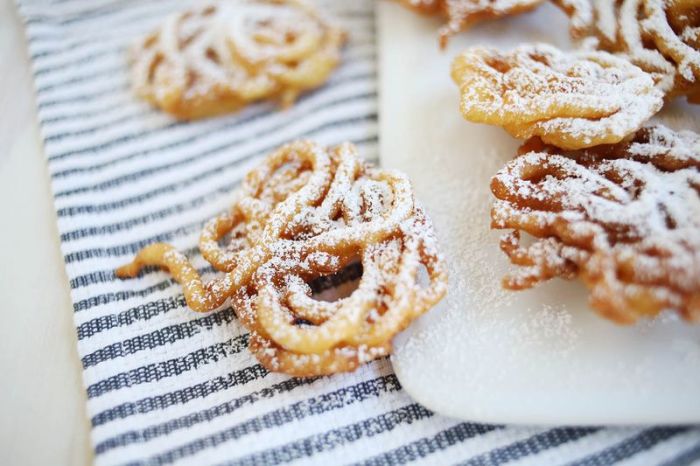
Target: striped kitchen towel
[167, 385]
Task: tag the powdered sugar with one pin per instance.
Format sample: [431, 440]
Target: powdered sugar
[632, 210]
[463, 13]
[659, 36]
[572, 100]
[670, 42]
[223, 55]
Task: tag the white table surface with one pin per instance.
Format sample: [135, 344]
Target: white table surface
[42, 399]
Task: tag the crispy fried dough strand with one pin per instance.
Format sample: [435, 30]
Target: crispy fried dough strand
[662, 37]
[461, 14]
[305, 213]
[674, 26]
[571, 100]
[332, 361]
[219, 57]
[623, 218]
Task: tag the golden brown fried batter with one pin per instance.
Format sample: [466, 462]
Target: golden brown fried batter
[309, 212]
[571, 100]
[623, 218]
[674, 28]
[461, 14]
[659, 36]
[222, 56]
[426, 7]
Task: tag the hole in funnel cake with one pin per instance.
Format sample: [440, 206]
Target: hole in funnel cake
[213, 56]
[236, 239]
[337, 286]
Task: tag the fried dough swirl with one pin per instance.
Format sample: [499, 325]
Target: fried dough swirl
[461, 14]
[660, 36]
[623, 218]
[222, 56]
[305, 213]
[571, 100]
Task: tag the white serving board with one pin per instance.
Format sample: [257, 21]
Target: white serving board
[485, 354]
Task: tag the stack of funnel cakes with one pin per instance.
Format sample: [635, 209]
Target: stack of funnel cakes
[607, 200]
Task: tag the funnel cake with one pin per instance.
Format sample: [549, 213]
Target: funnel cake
[305, 213]
[222, 56]
[571, 100]
[659, 36]
[674, 27]
[623, 218]
[463, 13]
